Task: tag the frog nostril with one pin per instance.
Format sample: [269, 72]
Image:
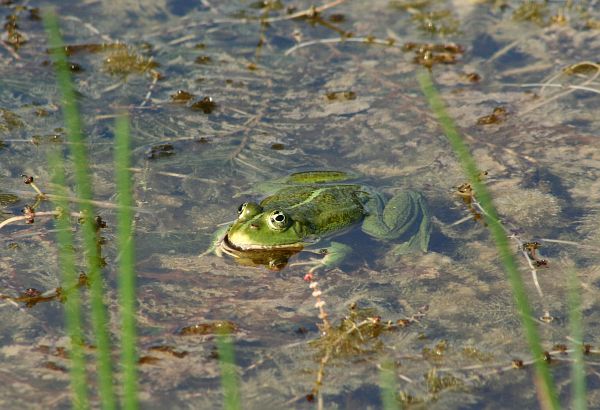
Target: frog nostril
[254, 226]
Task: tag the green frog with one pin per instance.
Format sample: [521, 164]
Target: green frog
[307, 209]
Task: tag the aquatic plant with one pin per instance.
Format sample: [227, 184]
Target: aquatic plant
[229, 380]
[545, 385]
[94, 262]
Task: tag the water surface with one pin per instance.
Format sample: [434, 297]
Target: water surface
[224, 95]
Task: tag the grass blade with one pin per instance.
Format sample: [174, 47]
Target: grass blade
[229, 380]
[84, 192]
[66, 258]
[387, 385]
[125, 244]
[579, 400]
[546, 389]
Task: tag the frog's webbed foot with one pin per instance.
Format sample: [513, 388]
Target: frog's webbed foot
[405, 215]
[333, 255]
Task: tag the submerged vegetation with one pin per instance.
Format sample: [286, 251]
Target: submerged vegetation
[297, 86]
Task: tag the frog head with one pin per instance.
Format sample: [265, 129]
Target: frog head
[256, 228]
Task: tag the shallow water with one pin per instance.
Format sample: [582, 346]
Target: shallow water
[291, 95]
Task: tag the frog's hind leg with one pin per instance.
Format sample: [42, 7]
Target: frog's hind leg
[420, 240]
[406, 215]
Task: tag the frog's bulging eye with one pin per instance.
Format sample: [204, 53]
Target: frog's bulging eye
[278, 220]
[248, 210]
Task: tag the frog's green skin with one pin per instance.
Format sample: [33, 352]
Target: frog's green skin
[308, 207]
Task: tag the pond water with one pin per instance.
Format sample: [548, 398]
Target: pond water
[225, 95]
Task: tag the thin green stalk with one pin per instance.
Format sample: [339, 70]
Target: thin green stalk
[84, 192]
[229, 379]
[548, 397]
[126, 263]
[387, 385]
[578, 401]
[66, 258]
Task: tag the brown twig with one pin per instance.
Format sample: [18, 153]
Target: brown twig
[155, 76]
[365, 40]
[10, 50]
[37, 214]
[572, 243]
[99, 204]
[90, 27]
[519, 243]
[309, 12]
[571, 89]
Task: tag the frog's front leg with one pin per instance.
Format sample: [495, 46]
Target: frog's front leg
[334, 254]
[405, 215]
[216, 242]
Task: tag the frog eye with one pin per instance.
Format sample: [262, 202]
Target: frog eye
[278, 220]
[248, 210]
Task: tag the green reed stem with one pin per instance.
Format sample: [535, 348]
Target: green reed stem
[125, 244]
[84, 192]
[229, 379]
[388, 385]
[578, 401]
[66, 259]
[548, 397]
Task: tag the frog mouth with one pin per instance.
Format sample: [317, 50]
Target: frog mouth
[228, 247]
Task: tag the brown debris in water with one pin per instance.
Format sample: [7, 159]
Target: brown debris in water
[221, 326]
[428, 54]
[497, 116]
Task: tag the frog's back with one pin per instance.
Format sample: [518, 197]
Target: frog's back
[321, 208]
